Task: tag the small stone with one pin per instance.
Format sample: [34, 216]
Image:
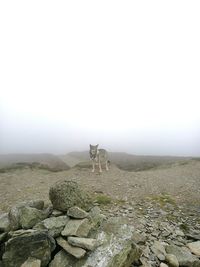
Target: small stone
[184, 257]
[194, 247]
[78, 228]
[163, 265]
[86, 243]
[179, 233]
[4, 222]
[77, 213]
[139, 238]
[172, 260]
[159, 250]
[56, 213]
[74, 251]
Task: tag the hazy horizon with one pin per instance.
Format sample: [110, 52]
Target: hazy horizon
[121, 74]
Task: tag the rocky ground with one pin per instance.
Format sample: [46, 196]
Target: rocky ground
[162, 204]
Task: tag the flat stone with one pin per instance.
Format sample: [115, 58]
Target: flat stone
[54, 225]
[31, 262]
[86, 243]
[74, 251]
[56, 213]
[78, 228]
[194, 247]
[77, 213]
[64, 259]
[172, 260]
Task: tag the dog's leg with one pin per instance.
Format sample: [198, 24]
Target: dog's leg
[107, 169]
[100, 169]
[93, 166]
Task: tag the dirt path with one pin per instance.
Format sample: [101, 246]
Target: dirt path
[180, 181]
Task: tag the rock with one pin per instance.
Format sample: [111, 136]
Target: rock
[28, 243]
[145, 262]
[86, 243]
[29, 216]
[96, 217]
[194, 247]
[179, 233]
[163, 265]
[184, 257]
[63, 259]
[15, 212]
[78, 228]
[77, 213]
[4, 222]
[3, 237]
[159, 250]
[66, 194]
[172, 260]
[74, 251]
[138, 238]
[56, 213]
[31, 262]
[54, 225]
[116, 249]
[193, 235]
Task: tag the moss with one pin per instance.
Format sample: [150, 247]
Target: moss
[163, 199]
[102, 199]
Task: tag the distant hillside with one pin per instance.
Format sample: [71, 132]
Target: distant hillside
[42, 161]
[131, 162]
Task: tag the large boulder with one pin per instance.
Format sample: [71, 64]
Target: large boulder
[66, 194]
[28, 243]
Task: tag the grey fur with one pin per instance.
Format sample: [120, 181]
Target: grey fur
[98, 156]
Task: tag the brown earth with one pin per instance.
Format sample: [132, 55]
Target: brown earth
[181, 180]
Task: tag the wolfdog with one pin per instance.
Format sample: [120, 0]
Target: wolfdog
[97, 156]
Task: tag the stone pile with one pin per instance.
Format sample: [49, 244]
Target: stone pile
[168, 235]
[70, 232]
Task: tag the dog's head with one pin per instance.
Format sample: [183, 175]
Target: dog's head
[93, 151]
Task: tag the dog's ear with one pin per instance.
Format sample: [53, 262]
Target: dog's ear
[97, 145]
[90, 145]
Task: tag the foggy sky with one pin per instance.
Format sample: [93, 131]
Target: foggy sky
[121, 74]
